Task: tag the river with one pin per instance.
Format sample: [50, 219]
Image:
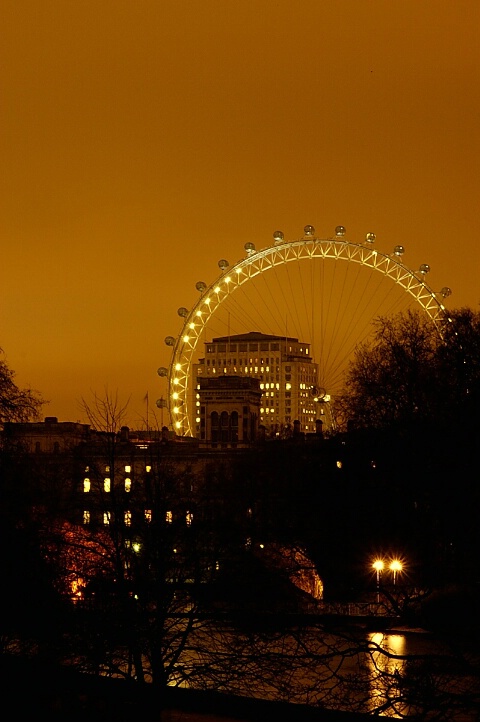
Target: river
[395, 674]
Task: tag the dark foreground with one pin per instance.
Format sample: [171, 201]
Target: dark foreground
[33, 692]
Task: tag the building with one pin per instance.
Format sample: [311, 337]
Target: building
[286, 371]
[119, 497]
[229, 410]
[46, 437]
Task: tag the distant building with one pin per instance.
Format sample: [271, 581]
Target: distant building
[46, 437]
[229, 410]
[131, 486]
[286, 372]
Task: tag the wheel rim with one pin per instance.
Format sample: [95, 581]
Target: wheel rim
[257, 263]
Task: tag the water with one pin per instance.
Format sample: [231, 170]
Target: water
[395, 674]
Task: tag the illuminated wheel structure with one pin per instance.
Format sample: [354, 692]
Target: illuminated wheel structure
[326, 292]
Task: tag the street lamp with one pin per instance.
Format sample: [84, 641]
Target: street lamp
[396, 567]
[378, 565]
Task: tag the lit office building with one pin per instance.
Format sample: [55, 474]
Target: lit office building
[287, 374]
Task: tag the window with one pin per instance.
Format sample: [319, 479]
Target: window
[128, 518]
[106, 518]
[169, 517]
[189, 518]
[106, 484]
[128, 469]
[128, 484]
[86, 517]
[148, 515]
[86, 485]
[148, 468]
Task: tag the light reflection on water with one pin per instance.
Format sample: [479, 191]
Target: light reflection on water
[384, 687]
[317, 668]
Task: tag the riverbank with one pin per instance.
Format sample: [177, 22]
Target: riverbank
[34, 692]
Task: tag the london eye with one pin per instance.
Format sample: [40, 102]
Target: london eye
[324, 291]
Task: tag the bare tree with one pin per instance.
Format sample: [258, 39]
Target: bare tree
[413, 371]
[17, 404]
[146, 603]
[105, 413]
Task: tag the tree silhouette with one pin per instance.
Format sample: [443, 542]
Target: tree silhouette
[16, 404]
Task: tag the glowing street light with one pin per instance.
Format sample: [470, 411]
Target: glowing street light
[379, 566]
[396, 567]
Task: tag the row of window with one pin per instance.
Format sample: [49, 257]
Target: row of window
[127, 517]
[245, 362]
[107, 484]
[127, 468]
[242, 347]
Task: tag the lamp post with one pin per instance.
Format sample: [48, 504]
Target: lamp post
[378, 565]
[395, 567]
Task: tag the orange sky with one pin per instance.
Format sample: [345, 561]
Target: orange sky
[142, 141]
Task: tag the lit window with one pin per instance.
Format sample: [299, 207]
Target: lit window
[128, 469]
[128, 484]
[169, 517]
[339, 464]
[86, 517]
[107, 469]
[106, 484]
[148, 468]
[148, 515]
[106, 518]
[86, 485]
[128, 518]
[189, 518]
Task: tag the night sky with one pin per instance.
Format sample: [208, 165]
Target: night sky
[143, 141]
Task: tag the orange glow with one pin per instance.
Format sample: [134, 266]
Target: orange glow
[114, 207]
[395, 566]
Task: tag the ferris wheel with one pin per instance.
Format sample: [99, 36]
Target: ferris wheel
[324, 291]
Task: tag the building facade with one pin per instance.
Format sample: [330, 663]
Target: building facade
[229, 410]
[286, 372]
